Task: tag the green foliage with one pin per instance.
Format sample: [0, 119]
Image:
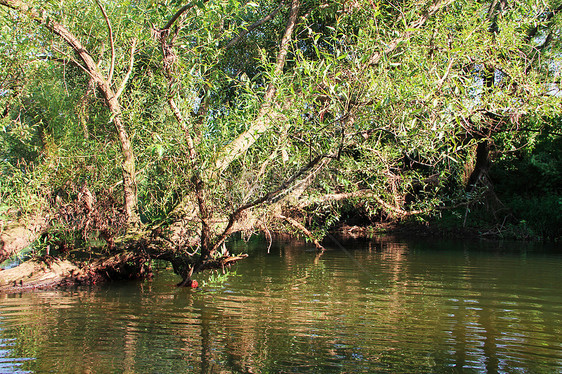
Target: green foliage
[539, 216]
[218, 278]
[403, 127]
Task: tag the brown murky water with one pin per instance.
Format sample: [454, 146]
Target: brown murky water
[379, 306]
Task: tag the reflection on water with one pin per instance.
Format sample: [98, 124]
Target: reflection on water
[380, 306]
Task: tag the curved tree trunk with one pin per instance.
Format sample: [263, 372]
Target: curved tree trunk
[111, 98]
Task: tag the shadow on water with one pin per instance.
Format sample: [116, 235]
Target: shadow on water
[382, 305]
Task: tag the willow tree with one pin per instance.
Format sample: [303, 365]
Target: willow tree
[102, 78]
[264, 116]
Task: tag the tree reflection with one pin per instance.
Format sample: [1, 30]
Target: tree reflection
[385, 306]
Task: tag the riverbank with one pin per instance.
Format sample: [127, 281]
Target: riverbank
[48, 272]
[442, 230]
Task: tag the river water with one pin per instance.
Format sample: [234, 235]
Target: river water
[385, 305]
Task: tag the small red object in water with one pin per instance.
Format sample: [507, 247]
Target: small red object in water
[194, 284]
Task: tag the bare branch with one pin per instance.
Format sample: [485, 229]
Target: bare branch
[287, 36]
[111, 42]
[129, 70]
[304, 230]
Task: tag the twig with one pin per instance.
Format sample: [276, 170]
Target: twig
[128, 75]
[111, 42]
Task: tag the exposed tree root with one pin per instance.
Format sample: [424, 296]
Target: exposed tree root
[52, 273]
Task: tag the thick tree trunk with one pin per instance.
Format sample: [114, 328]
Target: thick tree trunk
[481, 164]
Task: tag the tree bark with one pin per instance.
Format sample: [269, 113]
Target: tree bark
[263, 120]
[481, 164]
[128, 164]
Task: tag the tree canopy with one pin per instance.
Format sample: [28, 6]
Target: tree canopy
[178, 125]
